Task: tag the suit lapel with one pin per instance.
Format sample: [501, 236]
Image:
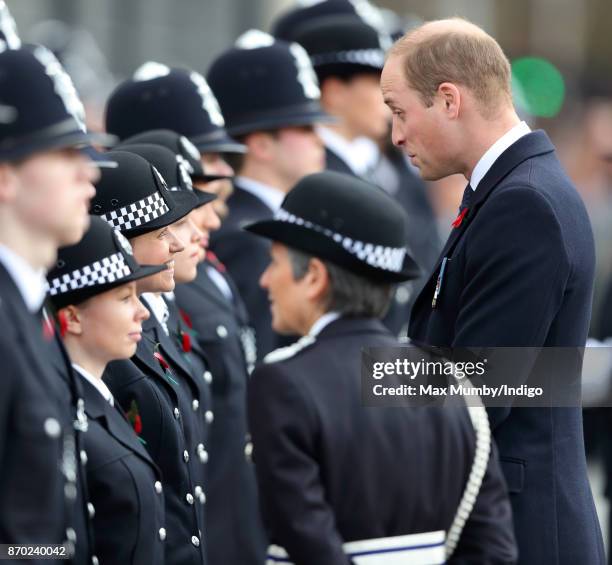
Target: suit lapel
[531, 145]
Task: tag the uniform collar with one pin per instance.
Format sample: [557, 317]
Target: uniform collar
[159, 308]
[494, 152]
[270, 196]
[322, 322]
[99, 384]
[361, 154]
[31, 283]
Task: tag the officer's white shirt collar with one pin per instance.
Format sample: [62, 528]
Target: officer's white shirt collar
[270, 196]
[494, 152]
[219, 281]
[361, 154]
[31, 283]
[99, 384]
[323, 322]
[159, 309]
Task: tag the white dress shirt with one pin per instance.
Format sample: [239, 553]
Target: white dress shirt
[159, 309]
[495, 151]
[323, 322]
[219, 281]
[99, 384]
[361, 154]
[32, 284]
[270, 196]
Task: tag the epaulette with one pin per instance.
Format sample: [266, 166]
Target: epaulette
[283, 353]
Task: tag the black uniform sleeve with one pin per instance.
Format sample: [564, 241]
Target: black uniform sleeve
[284, 430]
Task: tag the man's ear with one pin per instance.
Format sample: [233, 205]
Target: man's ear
[317, 279]
[332, 94]
[259, 145]
[72, 319]
[450, 97]
[8, 183]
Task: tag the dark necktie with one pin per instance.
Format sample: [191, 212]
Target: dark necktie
[465, 206]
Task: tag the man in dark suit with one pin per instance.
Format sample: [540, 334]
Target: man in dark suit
[340, 481]
[45, 188]
[276, 125]
[517, 269]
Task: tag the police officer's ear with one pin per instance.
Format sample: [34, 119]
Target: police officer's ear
[8, 183]
[70, 320]
[333, 94]
[317, 280]
[261, 145]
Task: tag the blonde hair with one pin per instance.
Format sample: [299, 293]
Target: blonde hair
[459, 52]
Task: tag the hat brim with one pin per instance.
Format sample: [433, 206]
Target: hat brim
[203, 197]
[51, 140]
[210, 178]
[280, 119]
[82, 294]
[184, 202]
[217, 142]
[322, 246]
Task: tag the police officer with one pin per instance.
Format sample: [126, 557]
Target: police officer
[337, 479]
[276, 125]
[45, 187]
[154, 387]
[93, 287]
[348, 55]
[216, 318]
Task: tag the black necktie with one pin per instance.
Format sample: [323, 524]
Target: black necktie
[467, 197]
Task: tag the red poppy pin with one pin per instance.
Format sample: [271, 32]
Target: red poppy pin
[186, 318]
[186, 341]
[215, 261]
[459, 219]
[162, 361]
[134, 418]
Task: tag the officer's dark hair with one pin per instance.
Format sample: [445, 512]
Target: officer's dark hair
[349, 294]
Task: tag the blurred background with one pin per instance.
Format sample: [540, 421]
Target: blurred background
[562, 73]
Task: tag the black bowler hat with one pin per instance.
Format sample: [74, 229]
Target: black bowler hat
[185, 151]
[346, 221]
[343, 46]
[39, 107]
[133, 197]
[173, 172]
[160, 97]
[101, 261]
[9, 37]
[265, 84]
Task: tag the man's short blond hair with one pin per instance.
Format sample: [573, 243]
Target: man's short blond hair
[459, 52]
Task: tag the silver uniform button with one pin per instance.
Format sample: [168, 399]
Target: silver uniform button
[162, 534]
[186, 456]
[195, 404]
[71, 535]
[95, 560]
[198, 490]
[222, 331]
[209, 416]
[177, 413]
[158, 487]
[202, 453]
[83, 455]
[52, 427]
[195, 541]
[248, 450]
[189, 498]
[208, 377]
[91, 509]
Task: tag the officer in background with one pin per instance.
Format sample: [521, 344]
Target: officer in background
[337, 479]
[348, 55]
[45, 188]
[275, 121]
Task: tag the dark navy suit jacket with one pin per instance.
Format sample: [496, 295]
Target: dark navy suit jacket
[519, 272]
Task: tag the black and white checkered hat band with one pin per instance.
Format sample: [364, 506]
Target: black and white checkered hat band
[137, 213]
[368, 57]
[379, 256]
[105, 271]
